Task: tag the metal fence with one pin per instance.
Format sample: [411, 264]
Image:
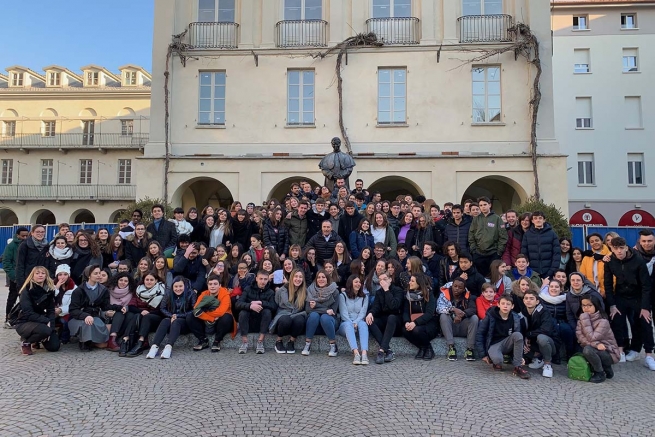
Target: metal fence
[301, 33]
[484, 28]
[399, 31]
[223, 35]
[579, 239]
[78, 140]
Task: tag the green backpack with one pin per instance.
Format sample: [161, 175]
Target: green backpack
[579, 368]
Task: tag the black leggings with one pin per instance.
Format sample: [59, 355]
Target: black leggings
[293, 326]
[384, 328]
[599, 360]
[220, 328]
[34, 332]
[120, 322]
[147, 324]
[422, 335]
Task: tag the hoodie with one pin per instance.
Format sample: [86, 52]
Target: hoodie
[632, 279]
[486, 328]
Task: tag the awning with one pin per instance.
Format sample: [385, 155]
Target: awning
[637, 217]
[587, 217]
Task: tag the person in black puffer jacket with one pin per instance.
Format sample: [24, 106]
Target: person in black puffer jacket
[457, 228]
[258, 316]
[553, 299]
[384, 317]
[32, 252]
[276, 235]
[541, 245]
[324, 242]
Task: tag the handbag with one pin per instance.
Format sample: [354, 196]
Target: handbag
[414, 316]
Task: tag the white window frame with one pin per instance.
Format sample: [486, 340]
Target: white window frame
[577, 28]
[640, 117]
[17, 78]
[585, 122]
[582, 68]
[212, 111]
[127, 128]
[476, 95]
[483, 7]
[124, 171]
[49, 128]
[47, 171]
[302, 101]
[9, 128]
[629, 60]
[217, 11]
[129, 78]
[392, 8]
[7, 172]
[54, 78]
[624, 21]
[304, 8]
[586, 166]
[86, 171]
[393, 95]
[92, 78]
[634, 164]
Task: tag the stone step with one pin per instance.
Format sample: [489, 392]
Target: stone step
[320, 343]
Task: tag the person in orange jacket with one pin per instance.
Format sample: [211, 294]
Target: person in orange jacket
[214, 307]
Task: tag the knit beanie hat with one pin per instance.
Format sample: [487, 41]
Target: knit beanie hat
[63, 268]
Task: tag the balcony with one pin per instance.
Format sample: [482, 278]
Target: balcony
[484, 28]
[73, 141]
[395, 31]
[214, 35]
[67, 192]
[301, 33]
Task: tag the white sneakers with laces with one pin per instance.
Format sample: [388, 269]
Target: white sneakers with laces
[153, 352]
[632, 356]
[649, 362]
[537, 363]
[548, 371]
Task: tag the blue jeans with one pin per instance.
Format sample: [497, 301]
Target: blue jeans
[327, 322]
[347, 330]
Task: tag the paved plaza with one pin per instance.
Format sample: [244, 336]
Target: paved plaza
[225, 394]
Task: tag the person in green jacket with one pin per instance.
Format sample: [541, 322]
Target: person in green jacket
[487, 237]
[9, 265]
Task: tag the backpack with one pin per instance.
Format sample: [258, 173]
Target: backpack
[579, 368]
[14, 314]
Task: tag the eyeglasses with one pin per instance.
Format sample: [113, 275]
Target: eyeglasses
[82, 240]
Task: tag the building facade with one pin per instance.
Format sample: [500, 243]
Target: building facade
[603, 66]
[70, 142]
[255, 103]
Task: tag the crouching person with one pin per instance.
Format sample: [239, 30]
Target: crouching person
[499, 333]
[214, 309]
[88, 309]
[540, 344]
[457, 316]
[597, 339]
[256, 306]
[36, 321]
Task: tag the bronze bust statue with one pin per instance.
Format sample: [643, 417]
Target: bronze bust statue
[336, 165]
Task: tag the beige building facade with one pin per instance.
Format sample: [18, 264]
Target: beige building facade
[255, 105]
[69, 142]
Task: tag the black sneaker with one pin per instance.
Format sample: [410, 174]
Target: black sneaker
[291, 347]
[389, 356]
[279, 347]
[452, 353]
[216, 346]
[507, 359]
[380, 358]
[469, 355]
[202, 344]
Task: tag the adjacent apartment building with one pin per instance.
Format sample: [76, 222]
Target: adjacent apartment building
[604, 66]
[69, 142]
[254, 105]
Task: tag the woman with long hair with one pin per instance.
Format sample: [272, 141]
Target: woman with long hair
[114, 252]
[276, 234]
[145, 305]
[501, 283]
[121, 291]
[85, 253]
[393, 271]
[312, 264]
[577, 257]
[102, 239]
[154, 250]
[372, 284]
[160, 267]
[420, 322]
[566, 262]
[361, 238]
[60, 253]
[353, 304]
[136, 246]
[193, 218]
[222, 232]
[241, 228]
[366, 257]
[144, 266]
[383, 233]
[413, 266]
[406, 225]
[221, 270]
[417, 236]
[90, 305]
[321, 306]
[341, 260]
[233, 257]
[291, 316]
[64, 287]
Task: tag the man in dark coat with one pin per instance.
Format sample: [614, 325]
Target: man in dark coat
[162, 230]
[541, 245]
[324, 242]
[349, 221]
[457, 228]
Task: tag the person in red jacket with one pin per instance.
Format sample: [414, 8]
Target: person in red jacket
[486, 300]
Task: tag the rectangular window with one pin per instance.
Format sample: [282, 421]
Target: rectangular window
[583, 113]
[46, 171]
[303, 9]
[632, 111]
[392, 8]
[392, 96]
[49, 128]
[92, 78]
[211, 101]
[124, 171]
[54, 78]
[628, 21]
[9, 129]
[216, 11]
[482, 7]
[300, 97]
[586, 169]
[17, 79]
[130, 78]
[630, 60]
[127, 127]
[86, 168]
[636, 169]
[486, 95]
[581, 61]
[7, 171]
[581, 22]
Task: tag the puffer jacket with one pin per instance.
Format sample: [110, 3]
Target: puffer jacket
[593, 330]
[542, 249]
[358, 241]
[632, 279]
[486, 330]
[587, 268]
[29, 256]
[488, 235]
[37, 305]
[513, 246]
[459, 233]
[297, 229]
[324, 249]
[276, 237]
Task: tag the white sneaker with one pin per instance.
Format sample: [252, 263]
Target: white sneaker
[357, 359]
[166, 353]
[649, 362]
[334, 350]
[632, 356]
[548, 371]
[537, 363]
[153, 352]
[305, 350]
[622, 359]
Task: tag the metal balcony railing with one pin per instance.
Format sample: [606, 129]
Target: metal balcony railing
[74, 140]
[484, 28]
[214, 35]
[395, 31]
[68, 192]
[301, 33]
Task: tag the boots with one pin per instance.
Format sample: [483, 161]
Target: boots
[136, 350]
[420, 354]
[112, 346]
[598, 377]
[429, 353]
[123, 348]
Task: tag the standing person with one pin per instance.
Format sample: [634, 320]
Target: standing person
[457, 311]
[276, 234]
[349, 221]
[297, 223]
[181, 225]
[89, 306]
[136, 246]
[384, 317]
[315, 216]
[419, 316]
[162, 230]
[291, 316]
[32, 252]
[85, 253]
[353, 304]
[9, 257]
[361, 238]
[629, 301]
[487, 237]
[541, 245]
[457, 228]
[593, 266]
[646, 248]
[595, 336]
[321, 306]
[515, 234]
[395, 217]
[36, 322]
[256, 308]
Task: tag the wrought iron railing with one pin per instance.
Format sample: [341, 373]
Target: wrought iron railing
[74, 140]
[214, 35]
[395, 31]
[484, 28]
[68, 192]
[301, 33]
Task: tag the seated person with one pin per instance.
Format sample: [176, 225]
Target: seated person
[256, 306]
[468, 273]
[457, 316]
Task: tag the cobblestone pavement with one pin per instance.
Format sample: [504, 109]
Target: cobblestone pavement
[69, 393]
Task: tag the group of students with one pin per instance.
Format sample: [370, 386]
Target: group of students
[308, 271]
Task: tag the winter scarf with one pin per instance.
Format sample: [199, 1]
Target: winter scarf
[120, 296]
[60, 254]
[151, 296]
[324, 295]
[39, 244]
[553, 300]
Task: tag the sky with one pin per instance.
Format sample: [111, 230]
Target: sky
[74, 33]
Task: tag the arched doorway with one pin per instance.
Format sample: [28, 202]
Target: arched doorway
[200, 192]
[113, 218]
[83, 216]
[282, 188]
[43, 217]
[503, 192]
[391, 187]
[8, 217]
